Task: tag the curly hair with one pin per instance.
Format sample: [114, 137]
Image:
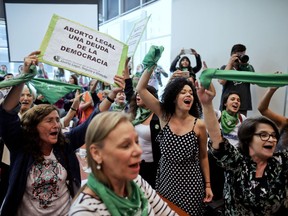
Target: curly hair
[247, 129]
[29, 123]
[170, 94]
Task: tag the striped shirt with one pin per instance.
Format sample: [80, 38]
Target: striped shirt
[86, 205]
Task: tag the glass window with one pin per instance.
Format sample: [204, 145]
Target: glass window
[3, 38]
[147, 1]
[129, 5]
[112, 9]
[100, 12]
[3, 45]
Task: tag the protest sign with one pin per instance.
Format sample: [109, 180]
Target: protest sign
[72, 46]
[135, 35]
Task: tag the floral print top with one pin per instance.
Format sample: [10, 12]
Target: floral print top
[244, 194]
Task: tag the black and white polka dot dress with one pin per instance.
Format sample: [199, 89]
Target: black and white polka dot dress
[179, 177]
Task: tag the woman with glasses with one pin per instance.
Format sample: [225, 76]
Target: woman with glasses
[256, 176]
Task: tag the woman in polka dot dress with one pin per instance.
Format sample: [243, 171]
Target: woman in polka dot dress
[183, 173]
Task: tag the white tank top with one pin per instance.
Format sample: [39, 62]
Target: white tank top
[144, 134]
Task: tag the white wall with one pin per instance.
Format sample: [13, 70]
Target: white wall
[213, 27]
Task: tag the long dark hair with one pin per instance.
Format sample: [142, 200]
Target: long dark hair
[169, 96]
[75, 78]
[29, 122]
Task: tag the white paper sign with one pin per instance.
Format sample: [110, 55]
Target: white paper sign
[135, 35]
[85, 51]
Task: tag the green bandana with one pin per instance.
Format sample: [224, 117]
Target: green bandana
[135, 204]
[260, 79]
[141, 115]
[50, 89]
[152, 57]
[20, 79]
[228, 122]
[118, 107]
[2, 73]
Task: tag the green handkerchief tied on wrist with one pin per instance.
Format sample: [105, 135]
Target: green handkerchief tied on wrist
[152, 57]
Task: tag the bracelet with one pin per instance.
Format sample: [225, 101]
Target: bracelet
[109, 99]
[72, 108]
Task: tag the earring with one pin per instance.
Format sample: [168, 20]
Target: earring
[98, 167]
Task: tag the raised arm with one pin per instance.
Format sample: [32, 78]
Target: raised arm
[72, 111]
[263, 105]
[149, 100]
[106, 103]
[12, 99]
[198, 66]
[206, 96]
[129, 91]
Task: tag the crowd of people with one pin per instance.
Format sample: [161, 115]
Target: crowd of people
[147, 154]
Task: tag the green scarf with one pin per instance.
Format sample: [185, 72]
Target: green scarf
[141, 115]
[20, 79]
[50, 89]
[135, 204]
[260, 79]
[228, 122]
[118, 107]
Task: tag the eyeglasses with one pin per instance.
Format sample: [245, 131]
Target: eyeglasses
[264, 136]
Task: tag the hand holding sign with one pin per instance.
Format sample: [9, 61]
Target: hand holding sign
[85, 51]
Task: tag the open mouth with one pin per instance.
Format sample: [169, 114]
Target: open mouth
[268, 147]
[54, 133]
[186, 101]
[134, 165]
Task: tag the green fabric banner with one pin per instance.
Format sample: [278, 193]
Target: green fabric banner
[20, 79]
[50, 89]
[260, 79]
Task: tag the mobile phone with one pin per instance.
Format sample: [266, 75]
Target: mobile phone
[185, 74]
[187, 51]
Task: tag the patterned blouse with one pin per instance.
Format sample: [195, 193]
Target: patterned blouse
[244, 194]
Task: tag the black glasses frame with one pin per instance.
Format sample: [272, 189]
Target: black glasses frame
[264, 136]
